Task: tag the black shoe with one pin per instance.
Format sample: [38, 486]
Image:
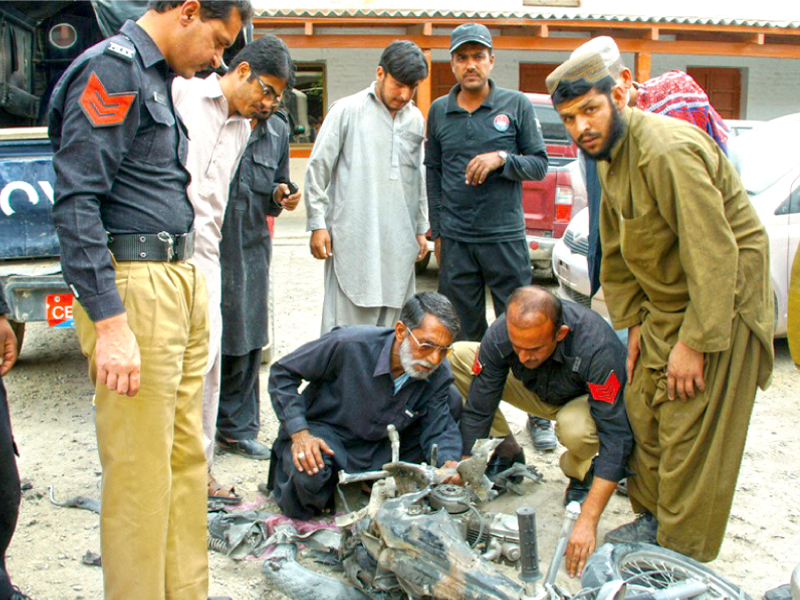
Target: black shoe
[578, 490]
[542, 434]
[247, 448]
[644, 528]
[17, 595]
[498, 464]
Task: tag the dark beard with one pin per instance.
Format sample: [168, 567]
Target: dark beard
[614, 133]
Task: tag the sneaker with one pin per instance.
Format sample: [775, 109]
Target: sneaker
[578, 490]
[542, 433]
[644, 528]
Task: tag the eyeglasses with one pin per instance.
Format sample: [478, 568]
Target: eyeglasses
[427, 348]
[268, 91]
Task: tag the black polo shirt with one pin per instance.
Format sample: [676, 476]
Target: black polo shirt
[492, 211]
[120, 151]
[590, 360]
[350, 398]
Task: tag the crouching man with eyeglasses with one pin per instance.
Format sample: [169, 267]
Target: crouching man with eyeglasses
[562, 362]
[362, 378]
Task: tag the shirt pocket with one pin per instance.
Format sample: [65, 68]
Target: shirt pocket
[156, 142]
[650, 248]
[264, 167]
[410, 146]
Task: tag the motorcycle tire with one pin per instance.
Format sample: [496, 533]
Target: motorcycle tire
[648, 568]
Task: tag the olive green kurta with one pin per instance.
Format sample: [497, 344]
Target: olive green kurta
[686, 256]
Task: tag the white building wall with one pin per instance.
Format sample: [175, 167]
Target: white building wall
[769, 86]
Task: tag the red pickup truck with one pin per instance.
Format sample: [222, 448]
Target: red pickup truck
[549, 204]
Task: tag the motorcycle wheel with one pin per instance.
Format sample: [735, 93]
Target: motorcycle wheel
[647, 568]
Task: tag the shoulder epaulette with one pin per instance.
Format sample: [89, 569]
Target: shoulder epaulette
[281, 115]
[120, 51]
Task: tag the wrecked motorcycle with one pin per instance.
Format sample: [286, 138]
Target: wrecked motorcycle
[421, 538]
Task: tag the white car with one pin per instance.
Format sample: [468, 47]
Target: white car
[769, 164]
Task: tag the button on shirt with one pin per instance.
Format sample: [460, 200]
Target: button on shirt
[128, 177]
[351, 397]
[491, 211]
[590, 359]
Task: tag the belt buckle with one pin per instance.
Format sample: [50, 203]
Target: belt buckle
[165, 237]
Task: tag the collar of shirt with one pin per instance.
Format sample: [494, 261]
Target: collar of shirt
[145, 45]
[452, 98]
[383, 366]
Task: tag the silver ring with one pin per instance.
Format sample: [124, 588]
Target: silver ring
[301, 455]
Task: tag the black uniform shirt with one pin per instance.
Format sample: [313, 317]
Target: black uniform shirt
[120, 154]
[491, 211]
[245, 247]
[350, 397]
[591, 359]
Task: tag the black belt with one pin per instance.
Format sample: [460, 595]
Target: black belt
[161, 247]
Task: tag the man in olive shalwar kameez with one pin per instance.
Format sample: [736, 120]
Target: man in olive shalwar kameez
[686, 270]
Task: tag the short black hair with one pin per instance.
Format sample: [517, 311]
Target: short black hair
[267, 55]
[430, 303]
[210, 9]
[404, 61]
[529, 300]
[569, 90]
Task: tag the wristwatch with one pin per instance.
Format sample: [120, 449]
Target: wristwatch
[503, 155]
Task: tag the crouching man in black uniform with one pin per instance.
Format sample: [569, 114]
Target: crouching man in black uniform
[561, 362]
[361, 379]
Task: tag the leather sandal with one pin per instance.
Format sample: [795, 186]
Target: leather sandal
[220, 493]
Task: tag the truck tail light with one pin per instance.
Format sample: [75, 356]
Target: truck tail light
[563, 204]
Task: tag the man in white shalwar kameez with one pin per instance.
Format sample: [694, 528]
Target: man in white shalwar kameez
[217, 112]
[365, 195]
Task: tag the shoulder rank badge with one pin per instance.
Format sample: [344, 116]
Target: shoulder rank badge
[606, 392]
[104, 109]
[120, 51]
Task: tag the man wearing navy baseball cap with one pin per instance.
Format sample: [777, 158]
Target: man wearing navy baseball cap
[482, 143]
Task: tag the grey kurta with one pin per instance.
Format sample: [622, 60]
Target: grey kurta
[246, 244]
[365, 184]
[686, 257]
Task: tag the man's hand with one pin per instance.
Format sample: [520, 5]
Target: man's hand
[581, 545]
[117, 355]
[480, 167]
[307, 452]
[684, 372]
[583, 541]
[437, 250]
[284, 198]
[633, 350]
[455, 478]
[422, 241]
[321, 244]
[8, 346]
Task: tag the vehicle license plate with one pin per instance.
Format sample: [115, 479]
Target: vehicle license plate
[59, 310]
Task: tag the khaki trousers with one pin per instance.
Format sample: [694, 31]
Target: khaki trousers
[153, 519]
[575, 427]
[687, 454]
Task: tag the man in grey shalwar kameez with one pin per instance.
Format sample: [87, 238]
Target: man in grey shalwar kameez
[365, 195]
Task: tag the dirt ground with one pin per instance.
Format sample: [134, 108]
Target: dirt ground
[50, 400]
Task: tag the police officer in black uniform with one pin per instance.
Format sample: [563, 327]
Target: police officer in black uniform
[259, 190]
[124, 224]
[482, 143]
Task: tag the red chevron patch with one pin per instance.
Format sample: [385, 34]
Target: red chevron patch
[104, 109]
[606, 392]
[477, 367]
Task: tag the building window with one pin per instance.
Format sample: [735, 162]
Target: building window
[305, 105]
